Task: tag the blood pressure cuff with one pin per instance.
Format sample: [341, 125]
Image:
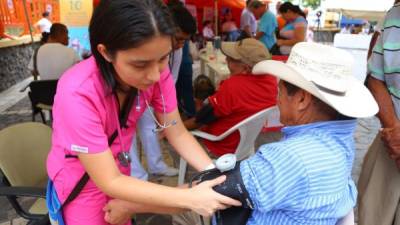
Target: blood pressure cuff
[232, 187]
[205, 115]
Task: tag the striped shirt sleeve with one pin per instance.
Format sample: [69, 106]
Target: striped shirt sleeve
[274, 178]
[375, 63]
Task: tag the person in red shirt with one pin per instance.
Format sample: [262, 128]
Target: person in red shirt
[238, 97]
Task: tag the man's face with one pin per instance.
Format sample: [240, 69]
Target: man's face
[258, 12]
[180, 39]
[286, 106]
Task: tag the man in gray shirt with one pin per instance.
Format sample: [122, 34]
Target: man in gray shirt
[248, 23]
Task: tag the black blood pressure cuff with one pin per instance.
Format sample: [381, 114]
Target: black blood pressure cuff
[205, 115]
[232, 187]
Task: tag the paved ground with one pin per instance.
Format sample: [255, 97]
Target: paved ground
[15, 108]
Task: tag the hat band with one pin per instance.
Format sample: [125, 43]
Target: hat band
[329, 91]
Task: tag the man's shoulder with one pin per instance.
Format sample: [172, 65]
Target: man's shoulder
[268, 14]
[235, 80]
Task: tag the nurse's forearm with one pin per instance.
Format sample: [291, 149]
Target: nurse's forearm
[103, 171]
[136, 208]
[152, 197]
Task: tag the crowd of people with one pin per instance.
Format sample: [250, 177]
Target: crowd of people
[139, 77]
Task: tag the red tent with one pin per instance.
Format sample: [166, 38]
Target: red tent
[235, 5]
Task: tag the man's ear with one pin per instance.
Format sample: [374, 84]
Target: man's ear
[103, 51]
[303, 99]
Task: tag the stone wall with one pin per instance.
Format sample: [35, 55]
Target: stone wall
[14, 64]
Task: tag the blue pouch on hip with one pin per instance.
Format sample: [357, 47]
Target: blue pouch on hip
[54, 205]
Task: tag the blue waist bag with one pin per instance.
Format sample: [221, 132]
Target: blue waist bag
[54, 205]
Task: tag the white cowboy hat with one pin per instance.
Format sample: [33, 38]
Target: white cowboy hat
[327, 73]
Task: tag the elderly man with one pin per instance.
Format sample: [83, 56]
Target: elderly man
[306, 177]
[238, 97]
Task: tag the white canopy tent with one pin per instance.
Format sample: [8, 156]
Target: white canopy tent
[361, 9]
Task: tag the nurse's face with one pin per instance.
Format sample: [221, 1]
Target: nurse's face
[140, 67]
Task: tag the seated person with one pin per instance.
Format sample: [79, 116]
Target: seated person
[202, 89]
[306, 177]
[228, 27]
[208, 32]
[54, 57]
[238, 97]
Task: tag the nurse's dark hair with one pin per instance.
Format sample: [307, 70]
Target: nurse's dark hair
[124, 24]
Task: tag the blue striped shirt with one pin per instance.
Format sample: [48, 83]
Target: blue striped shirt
[305, 178]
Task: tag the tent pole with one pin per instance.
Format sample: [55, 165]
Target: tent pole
[27, 20]
[216, 17]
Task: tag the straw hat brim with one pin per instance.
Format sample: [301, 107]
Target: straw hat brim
[357, 101]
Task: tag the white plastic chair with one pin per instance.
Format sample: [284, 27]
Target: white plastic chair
[249, 129]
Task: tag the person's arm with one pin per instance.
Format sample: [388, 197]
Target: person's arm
[247, 25]
[191, 124]
[386, 114]
[372, 43]
[204, 115]
[259, 35]
[247, 30]
[120, 211]
[274, 177]
[105, 174]
[299, 36]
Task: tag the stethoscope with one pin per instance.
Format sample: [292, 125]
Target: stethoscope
[159, 127]
[123, 156]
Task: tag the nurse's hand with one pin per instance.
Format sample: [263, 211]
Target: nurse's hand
[205, 201]
[117, 212]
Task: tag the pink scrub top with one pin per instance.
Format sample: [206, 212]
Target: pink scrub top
[85, 115]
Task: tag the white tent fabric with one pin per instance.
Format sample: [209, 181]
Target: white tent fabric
[361, 9]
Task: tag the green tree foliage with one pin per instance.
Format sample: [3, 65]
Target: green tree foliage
[308, 3]
[312, 3]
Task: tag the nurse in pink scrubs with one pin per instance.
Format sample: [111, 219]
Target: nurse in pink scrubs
[131, 41]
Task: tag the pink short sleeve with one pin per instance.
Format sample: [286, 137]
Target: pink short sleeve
[165, 88]
[77, 119]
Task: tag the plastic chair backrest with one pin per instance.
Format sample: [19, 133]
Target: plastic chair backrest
[249, 130]
[23, 152]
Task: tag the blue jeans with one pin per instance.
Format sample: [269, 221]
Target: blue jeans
[184, 89]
